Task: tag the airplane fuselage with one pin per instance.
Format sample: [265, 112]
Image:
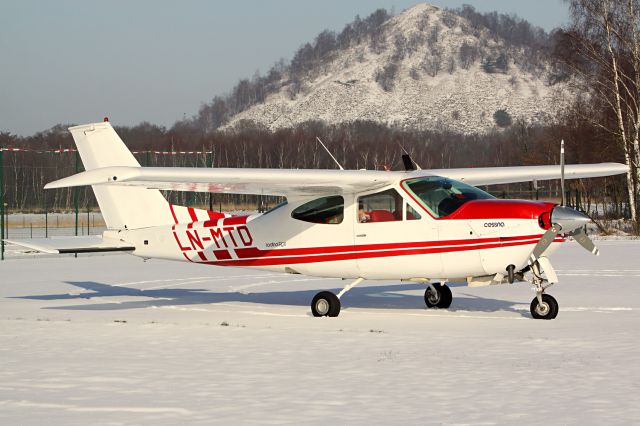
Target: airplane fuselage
[481, 239]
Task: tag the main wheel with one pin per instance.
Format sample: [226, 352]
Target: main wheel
[547, 310]
[325, 304]
[441, 298]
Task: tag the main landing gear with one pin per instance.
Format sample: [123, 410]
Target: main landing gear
[438, 296]
[327, 304]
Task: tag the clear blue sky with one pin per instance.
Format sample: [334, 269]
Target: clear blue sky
[77, 61]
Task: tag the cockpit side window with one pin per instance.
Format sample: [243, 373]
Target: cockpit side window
[412, 214]
[441, 196]
[329, 210]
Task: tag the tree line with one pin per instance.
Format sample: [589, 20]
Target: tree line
[358, 145]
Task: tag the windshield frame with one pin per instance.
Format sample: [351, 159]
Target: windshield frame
[424, 206]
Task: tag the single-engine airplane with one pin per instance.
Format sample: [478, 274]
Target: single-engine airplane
[427, 226]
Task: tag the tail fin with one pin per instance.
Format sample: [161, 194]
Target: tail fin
[122, 207]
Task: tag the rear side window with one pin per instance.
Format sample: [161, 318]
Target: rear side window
[385, 206]
[329, 210]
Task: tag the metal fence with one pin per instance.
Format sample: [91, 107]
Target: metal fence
[599, 201]
[65, 161]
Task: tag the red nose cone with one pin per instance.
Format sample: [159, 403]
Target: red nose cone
[502, 209]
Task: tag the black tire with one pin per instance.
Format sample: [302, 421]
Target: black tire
[442, 299]
[547, 311]
[325, 304]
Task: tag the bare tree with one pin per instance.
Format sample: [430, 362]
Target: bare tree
[386, 76]
[605, 37]
[467, 54]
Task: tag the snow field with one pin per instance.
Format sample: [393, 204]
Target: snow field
[115, 340]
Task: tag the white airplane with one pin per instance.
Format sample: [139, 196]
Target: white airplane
[427, 226]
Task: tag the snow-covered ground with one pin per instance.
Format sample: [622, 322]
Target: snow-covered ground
[115, 340]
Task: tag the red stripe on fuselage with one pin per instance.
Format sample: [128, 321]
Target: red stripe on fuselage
[235, 220]
[215, 215]
[329, 254]
[202, 256]
[173, 213]
[192, 214]
[254, 252]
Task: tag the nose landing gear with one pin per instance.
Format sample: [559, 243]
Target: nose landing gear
[543, 306]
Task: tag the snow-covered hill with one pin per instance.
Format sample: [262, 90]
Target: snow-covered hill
[428, 71]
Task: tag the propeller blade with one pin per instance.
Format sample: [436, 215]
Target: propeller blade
[564, 195]
[583, 239]
[544, 243]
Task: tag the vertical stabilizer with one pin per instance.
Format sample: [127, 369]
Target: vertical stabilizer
[122, 207]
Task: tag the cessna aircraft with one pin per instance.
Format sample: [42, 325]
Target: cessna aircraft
[427, 226]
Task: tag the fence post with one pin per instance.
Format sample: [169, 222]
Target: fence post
[210, 164]
[46, 215]
[76, 196]
[2, 203]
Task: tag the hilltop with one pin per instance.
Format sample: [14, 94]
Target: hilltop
[425, 69]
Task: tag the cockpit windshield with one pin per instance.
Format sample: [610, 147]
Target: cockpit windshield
[442, 196]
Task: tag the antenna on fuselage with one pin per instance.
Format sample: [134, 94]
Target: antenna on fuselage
[329, 152]
[407, 161]
[564, 196]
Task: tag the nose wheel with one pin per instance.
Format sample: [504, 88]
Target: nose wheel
[438, 296]
[544, 307]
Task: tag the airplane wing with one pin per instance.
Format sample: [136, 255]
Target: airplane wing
[289, 183]
[305, 183]
[61, 245]
[500, 175]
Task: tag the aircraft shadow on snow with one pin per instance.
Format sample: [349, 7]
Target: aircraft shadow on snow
[389, 296]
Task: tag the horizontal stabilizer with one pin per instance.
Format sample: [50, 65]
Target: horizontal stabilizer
[61, 245]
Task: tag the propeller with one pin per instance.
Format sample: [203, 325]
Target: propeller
[564, 220]
[568, 221]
